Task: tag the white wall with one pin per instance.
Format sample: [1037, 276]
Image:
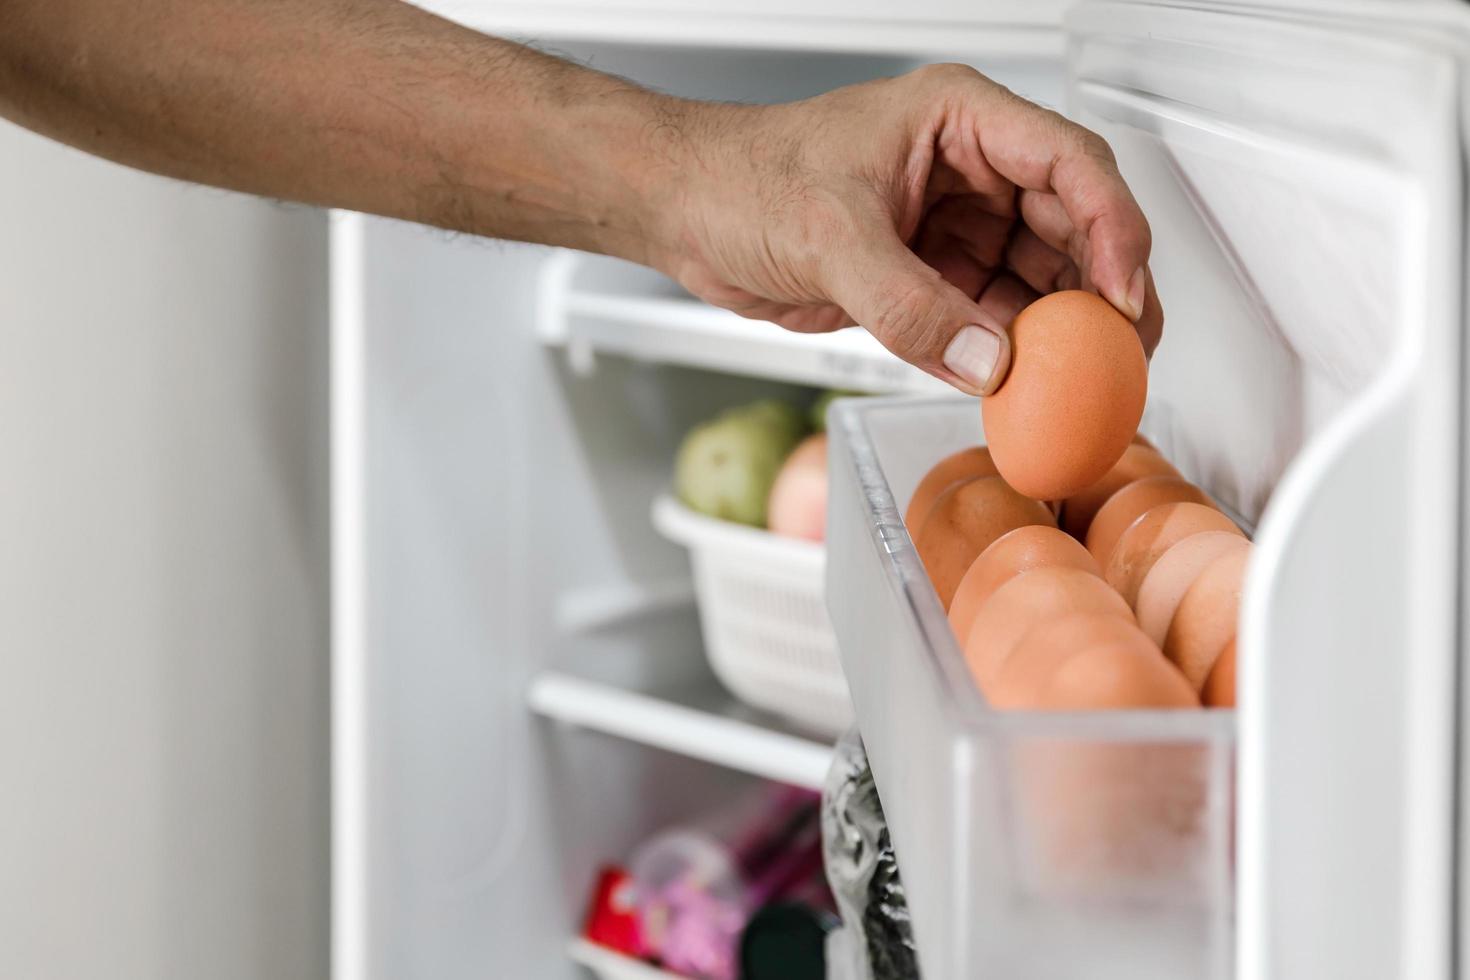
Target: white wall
[163, 578]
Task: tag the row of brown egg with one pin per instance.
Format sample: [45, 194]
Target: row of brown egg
[1124, 595]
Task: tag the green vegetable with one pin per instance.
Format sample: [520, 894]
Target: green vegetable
[784, 419]
[726, 466]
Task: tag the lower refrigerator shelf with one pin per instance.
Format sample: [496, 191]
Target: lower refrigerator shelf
[706, 724]
[609, 965]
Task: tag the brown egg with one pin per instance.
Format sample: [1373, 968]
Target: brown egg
[1025, 548]
[1071, 403]
[1137, 462]
[1206, 618]
[1219, 689]
[1023, 680]
[1025, 601]
[1093, 812]
[1117, 678]
[1132, 502]
[1172, 575]
[964, 521]
[1150, 536]
[967, 464]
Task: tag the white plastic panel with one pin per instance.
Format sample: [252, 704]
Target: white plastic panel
[485, 501]
[1028, 28]
[1308, 225]
[592, 305]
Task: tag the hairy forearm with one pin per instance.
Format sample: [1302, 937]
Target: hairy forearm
[371, 105]
[931, 207]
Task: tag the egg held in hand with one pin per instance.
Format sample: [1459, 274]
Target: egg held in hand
[797, 507]
[964, 521]
[1071, 403]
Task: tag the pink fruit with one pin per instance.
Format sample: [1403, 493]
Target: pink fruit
[798, 504]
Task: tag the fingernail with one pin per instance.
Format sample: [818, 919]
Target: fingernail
[979, 356]
[1132, 304]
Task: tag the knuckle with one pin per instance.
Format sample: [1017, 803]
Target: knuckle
[910, 321]
[1094, 147]
[947, 75]
[1079, 139]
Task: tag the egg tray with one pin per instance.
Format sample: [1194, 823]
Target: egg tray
[1045, 845]
[763, 616]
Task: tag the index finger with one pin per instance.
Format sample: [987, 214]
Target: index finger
[1048, 222]
[1039, 150]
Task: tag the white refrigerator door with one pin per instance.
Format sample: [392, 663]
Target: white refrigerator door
[1014, 28]
[1303, 167]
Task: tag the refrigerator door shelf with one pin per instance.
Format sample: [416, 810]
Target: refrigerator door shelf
[1056, 846]
[591, 306]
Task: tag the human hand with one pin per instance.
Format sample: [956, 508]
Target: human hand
[930, 208]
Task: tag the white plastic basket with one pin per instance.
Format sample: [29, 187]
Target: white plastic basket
[763, 612]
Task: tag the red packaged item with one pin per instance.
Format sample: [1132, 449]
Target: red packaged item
[612, 916]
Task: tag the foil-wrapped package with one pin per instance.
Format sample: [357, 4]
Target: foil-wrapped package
[876, 941]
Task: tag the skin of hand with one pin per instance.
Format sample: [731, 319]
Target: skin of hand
[930, 207]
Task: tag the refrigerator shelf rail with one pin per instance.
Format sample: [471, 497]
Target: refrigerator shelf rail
[707, 725]
[591, 306]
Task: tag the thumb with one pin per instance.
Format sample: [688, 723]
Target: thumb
[917, 314]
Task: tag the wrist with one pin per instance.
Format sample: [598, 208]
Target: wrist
[694, 165]
[558, 154]
[680, 164]
[654, 157]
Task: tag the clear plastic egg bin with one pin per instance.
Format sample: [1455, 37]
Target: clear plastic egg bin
[1043, 846]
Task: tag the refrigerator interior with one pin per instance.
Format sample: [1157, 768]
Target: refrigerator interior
[495, 561]
[496, 458]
